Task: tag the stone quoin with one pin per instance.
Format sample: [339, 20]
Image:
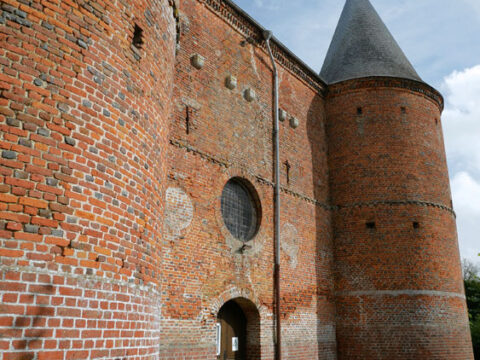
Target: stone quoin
[137, 190]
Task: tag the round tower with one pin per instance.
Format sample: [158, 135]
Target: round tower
[399, 288]
[85, 91]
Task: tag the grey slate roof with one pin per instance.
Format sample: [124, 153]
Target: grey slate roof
[362, 46]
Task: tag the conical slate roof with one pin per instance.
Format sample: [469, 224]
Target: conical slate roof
[362, 46]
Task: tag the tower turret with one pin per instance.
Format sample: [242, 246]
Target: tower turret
[84, 103]
[399, 289]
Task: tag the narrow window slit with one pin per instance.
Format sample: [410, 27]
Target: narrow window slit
[403, 110]
[416, 225]
[137, 40]
[187, 120]
[371, 225]
[359, 111]
[287, 170]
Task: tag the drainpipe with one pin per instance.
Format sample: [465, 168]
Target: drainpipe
[267, 35]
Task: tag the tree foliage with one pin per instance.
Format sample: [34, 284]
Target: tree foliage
[471, 278]
[475, 329]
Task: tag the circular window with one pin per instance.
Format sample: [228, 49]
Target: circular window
[239, 210]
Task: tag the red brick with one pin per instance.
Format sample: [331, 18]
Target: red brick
[50, 355]
[6, 321]
[8, 198]
[18, 355]
[11, 253]
[119, 250]
[33, 203]
[14, 226]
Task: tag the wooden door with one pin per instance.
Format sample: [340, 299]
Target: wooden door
[233, 332]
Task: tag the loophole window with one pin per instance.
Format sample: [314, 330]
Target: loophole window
[239, 210]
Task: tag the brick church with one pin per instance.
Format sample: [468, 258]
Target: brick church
[157, 203]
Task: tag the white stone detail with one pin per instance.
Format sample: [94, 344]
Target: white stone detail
[289, 243]
[250, 95]
[231, 82]
[294, 122]
[178, 211]
[198, 61]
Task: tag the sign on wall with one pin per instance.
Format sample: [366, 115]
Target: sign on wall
[235, 344]
[218, 329]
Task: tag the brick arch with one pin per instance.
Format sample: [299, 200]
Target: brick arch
[253, 311]
[236, 293]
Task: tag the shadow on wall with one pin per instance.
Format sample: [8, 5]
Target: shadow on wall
[41, 320]
[324, 262]
[30, 328]
[253, 327]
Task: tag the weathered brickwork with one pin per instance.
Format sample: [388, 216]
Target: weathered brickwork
[217, 134]
[396, 253]
[83, 115]
[122, 121]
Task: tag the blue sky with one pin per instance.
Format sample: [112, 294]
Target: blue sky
[441, 40]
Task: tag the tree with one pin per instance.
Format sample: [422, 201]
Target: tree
[475, 330]
[471, 279]
[470, 270]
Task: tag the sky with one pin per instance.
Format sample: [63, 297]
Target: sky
[441, 40]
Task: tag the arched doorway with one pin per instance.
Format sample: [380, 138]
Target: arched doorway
[238, 331]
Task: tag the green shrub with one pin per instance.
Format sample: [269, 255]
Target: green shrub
[472, 292]
[475, 329]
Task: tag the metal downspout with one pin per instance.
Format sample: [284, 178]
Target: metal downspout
[278, 345]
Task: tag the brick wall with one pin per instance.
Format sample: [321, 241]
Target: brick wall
[398, 281]
[119, 133]
[217, 134]
[83, 117]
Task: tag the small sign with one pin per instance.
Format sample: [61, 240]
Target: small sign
[235, 344]
[218, 330]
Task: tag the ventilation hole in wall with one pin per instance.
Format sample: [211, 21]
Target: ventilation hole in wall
[176, 14]
[359, 111]
[137, 40]
[287, 170]
[187, 120]
[416, 225]
[371, 225]
[403, 110]
[436, 121]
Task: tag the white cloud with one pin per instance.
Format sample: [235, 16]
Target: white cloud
[461, 121]
[475, 4]
[267, 4]
[466, 197]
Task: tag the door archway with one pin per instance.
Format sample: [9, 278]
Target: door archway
[238, 331]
